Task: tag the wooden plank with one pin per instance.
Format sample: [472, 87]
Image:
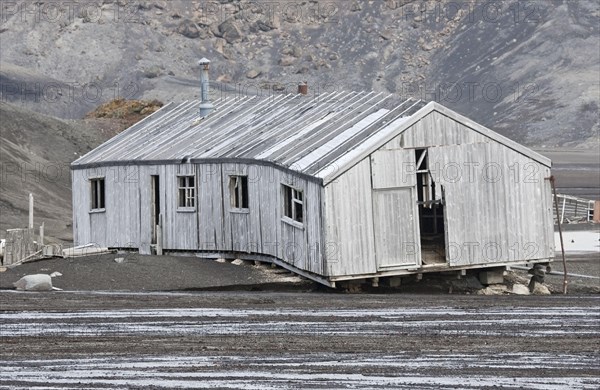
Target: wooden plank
[393, 168]
[497, 204]
[19, 245]
[350, 247]
[395, 227]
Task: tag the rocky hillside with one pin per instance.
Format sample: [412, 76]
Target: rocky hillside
[35, 153]
[528, 69]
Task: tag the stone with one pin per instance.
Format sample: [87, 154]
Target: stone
[230, 31]
[38, 282]
[427, 47]
[188, 29]
[253, 73]
[119, 260]
[297, 51]
[520, 289]
[541, 289]
[152, 72]
[267, 26]
[286, 61]
[491, 277]
[494, 289]
[395, 281]
[303, 70]
[387, 35]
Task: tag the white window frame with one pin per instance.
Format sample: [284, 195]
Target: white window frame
[238, 195]
[290, 204]
[426, 190]
[188, 192]
[97, 194]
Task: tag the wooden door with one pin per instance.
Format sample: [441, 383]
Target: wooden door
[395, 214]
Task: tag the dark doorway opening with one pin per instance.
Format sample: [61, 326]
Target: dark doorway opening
[430, 199]
[155, 214]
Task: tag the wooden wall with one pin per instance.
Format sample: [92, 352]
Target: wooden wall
[511, 216]
[213, 226]
[498, 204]
[349, 223]
[488, 220]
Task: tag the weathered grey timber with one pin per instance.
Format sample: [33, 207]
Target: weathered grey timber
[368, 209]
[19, 245]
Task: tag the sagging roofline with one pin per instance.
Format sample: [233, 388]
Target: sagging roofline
[226, 160]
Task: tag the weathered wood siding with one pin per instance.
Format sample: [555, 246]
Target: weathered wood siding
[349, 223]
[435, 129]
[395, 212]
[498, 204]
[213, 225]
[118, 225]
[487, 221]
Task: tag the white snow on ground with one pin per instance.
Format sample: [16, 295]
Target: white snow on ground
[276, 372]
[531, 322]
[578, 241]
[409, 370]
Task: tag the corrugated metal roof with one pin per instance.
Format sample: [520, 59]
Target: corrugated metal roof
[307, 134]
[300, 132]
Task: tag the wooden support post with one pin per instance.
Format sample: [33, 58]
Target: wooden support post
[596, 217]
[395, 281]
[375, 282]
[41, 238]
[30, 211]
[562, 245]
[159, 236]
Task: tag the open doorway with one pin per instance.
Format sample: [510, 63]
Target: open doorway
[155, 204]
[430, 199]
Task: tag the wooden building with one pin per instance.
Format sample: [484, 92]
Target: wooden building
[340, 186]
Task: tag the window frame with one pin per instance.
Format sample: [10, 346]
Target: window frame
[97, 194]
[425, 191]
[239, 201]
[293, 200]
[187, 189]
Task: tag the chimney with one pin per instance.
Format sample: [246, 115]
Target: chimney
[205, 105]
[303, 88]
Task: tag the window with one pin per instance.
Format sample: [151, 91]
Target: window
[187, 192]
[97, 194]
[425, 185]
[238, 192]
[293, 203]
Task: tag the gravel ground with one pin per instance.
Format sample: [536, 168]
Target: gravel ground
[153, 273]
[179, 337]
[245, 340]
[174, 273]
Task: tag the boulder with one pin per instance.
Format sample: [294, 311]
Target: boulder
[253, 73]
[189, 29]
[540, 289]
[520, 289]
[230, 31]
[37, 282]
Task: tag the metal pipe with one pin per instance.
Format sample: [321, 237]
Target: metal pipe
[205, 105]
